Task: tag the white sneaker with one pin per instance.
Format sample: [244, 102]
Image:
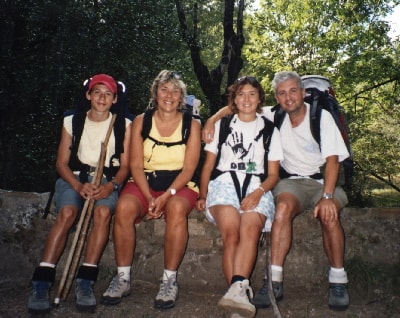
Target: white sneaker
[167, 294]
[118, 288]
[236, 300]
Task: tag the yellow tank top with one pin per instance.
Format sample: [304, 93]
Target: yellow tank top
[161, 157]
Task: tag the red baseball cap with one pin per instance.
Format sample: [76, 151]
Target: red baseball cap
[104, 79]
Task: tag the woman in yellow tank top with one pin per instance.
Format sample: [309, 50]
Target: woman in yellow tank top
[161, 169]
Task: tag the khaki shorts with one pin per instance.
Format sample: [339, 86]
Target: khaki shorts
[307, 191]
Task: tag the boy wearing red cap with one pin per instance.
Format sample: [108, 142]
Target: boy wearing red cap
[76, 170]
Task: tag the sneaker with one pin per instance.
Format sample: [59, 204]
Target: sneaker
[262, 299]
[338, 296]
[118, 288]
[168, 293]
[39, 298]
[236, 300]
[85, 299]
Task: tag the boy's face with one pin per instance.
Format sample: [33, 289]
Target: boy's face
[101, 98]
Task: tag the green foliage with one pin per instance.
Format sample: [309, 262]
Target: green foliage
[348, 42]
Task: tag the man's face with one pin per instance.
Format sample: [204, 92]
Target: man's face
[290, 96]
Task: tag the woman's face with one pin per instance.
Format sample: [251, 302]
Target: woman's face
[247, 99]
[168, 96]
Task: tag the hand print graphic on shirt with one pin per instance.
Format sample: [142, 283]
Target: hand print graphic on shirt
[235, 141]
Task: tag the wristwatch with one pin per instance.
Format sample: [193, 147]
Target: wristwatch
[115, 185]
[172, 191]
[327, 195]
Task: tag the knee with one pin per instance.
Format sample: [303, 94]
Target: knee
[67, 215]
[230, 238]
[102, 215]
[331, 226]
[127, 212]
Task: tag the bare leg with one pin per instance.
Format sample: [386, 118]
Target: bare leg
[124, 232]
[287, 208]
[176, 232]
[251, 225]
[228, 222]
[58, 234]
[98, 236]
[333, 239]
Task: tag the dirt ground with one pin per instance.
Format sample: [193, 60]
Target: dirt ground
[198, 296]
[197, 302]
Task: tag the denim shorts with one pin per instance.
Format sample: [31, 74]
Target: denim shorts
[307, 191]
[66, 195]
[221, 191]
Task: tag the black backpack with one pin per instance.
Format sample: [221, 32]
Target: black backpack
[224, 132]
[82, 105]
[319, 100]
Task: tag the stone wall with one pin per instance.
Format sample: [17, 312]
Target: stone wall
[371, 235]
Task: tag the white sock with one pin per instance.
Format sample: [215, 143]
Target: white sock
[167, 274]
[89, 265]
[45, 264]
[124, 272]
[277, 273]
[338, 275]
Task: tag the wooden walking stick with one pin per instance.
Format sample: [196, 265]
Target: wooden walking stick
[83, 226]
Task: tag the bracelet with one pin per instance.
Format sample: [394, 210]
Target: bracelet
[260, 188]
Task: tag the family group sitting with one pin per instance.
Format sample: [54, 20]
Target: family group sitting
[253, 175]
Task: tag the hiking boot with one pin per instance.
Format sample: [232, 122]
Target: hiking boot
[262, 299]
[39, 298]
[118, 288]
[168, 293]
[338, 296]
[85, 299]
[237, 301]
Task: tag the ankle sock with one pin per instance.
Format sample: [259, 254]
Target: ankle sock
[124, 272]
[277, 273]
[87, 272]
[237, 278]
[45, 264]
[44, 273]
[167, 274]
[338, 275]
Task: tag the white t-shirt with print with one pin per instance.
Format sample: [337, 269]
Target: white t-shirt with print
[302, 155]
[241, 152]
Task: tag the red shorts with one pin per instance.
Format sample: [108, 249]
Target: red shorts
[131, 188]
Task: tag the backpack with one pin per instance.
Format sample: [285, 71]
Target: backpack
[82, 105]
[319, 100]
[224, 132]
[192, 106]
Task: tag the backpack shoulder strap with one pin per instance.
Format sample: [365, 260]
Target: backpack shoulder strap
[267, 132]
[279, 115]
[186, 126]
[147, 122]
[224, 131]
[315, 116]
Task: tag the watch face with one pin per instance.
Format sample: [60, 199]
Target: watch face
[173, 191]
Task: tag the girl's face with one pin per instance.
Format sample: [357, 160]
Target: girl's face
[168, 96]
[247, 99]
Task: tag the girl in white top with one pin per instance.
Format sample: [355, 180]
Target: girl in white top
[240, 221]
